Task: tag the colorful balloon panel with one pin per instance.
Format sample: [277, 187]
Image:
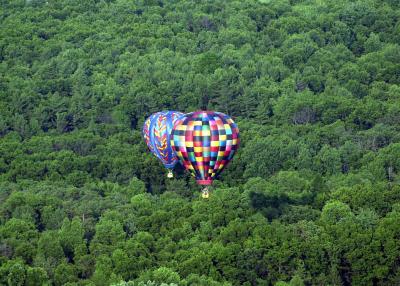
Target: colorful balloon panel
[156, 133]
[205, 142]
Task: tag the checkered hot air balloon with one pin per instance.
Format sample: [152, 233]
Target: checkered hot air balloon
[156, 132]
[205, 142]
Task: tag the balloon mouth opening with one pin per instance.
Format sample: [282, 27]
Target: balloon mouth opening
[170, 166]
[204, 182]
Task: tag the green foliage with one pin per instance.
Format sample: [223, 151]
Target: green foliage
[311, 198]
[161, 275]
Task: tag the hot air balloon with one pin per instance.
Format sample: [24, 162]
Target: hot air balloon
[205, 142]
[156, 132]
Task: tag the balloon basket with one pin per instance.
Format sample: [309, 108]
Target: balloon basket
[170, 174]
[205, 194]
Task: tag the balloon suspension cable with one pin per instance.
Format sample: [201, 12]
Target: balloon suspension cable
[170, 174]
[205, 193]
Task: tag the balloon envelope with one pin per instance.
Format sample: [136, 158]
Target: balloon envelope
[205, 142]
[156, 133]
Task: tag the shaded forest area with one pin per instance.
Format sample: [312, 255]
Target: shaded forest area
[311, 198]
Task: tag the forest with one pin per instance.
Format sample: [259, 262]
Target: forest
[312, 196]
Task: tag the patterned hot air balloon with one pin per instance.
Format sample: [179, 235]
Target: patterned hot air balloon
[205, 142]
[156, 132]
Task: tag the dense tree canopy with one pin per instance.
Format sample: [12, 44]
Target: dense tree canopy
[311, 198]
